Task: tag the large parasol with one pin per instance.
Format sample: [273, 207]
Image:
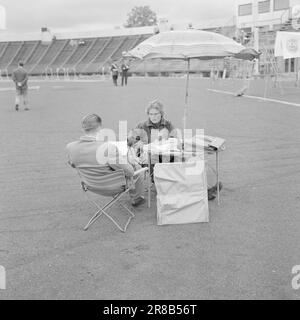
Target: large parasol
[187, 45]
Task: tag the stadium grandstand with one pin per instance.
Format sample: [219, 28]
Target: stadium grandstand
[79, 53]
[84, 54]
[88, 53]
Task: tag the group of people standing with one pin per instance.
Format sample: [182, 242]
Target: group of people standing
[115, 73]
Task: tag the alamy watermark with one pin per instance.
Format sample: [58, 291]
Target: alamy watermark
[113, 147]
[296, 278]
[2, 278]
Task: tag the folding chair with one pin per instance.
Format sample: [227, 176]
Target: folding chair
[108, 185]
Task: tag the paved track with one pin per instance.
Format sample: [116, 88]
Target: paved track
[248, 249]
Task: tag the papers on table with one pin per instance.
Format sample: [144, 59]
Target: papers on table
[163, 147]
[198, 144]
[204, 142]
[121, 146]
[194, 146]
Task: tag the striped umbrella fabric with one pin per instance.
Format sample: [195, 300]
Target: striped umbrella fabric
[187, 44]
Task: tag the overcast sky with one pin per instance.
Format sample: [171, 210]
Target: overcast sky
[31, 15]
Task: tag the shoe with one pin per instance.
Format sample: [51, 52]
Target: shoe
[153, 188]
[26, 109]
[17, 107]
[211, 196]
[138, 202]
[215, 187]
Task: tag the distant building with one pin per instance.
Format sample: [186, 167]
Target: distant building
[2, 18]
[268, 16]
[163, 24]
[46, 35]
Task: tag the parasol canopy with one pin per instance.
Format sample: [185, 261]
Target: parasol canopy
[188, 44]
[247, 54]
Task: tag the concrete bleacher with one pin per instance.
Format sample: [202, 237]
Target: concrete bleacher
[49, 55]
[105, 56]
[127, 43]
[79, 52]
[10, 50]
[83, 55]
[92, 52]
[97, 49]
[23, 54]
[38, 52]
[62, 56]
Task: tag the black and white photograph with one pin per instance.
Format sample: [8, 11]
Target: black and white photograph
[149, 152]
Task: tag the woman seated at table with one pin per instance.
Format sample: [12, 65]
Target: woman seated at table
[156, 127]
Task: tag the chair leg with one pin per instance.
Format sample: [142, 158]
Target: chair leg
[149, 190]
[128, 221]
[129, 211]
[107, 206]
[116, 223]
[131, 216]
[93, 219]
[97, 215]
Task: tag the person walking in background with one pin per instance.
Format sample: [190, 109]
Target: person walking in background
[125, 69]
[114, 73]
[20, 78]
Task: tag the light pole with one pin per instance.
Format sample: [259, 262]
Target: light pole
[255, 30]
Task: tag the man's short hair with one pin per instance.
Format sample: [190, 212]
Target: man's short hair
[91, 122]
[21, 63]
[157, 105]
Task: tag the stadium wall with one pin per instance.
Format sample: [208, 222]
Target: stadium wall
[91, 52]
[9, 37]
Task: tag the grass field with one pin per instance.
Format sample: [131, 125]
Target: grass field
[246, 251]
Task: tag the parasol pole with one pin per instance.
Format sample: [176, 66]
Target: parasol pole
[186, 95]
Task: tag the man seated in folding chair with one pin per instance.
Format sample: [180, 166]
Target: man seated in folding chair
[102, 170]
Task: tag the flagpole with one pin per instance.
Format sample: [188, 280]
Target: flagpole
[186, 95]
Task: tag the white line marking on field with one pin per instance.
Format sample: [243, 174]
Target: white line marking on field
[7, 89]
[34, 88]
[13, 88]
[67, 80]
[221, 91]
[60, 80]
[258, 98]
[58, 87]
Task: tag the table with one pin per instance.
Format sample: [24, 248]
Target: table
[215, 145]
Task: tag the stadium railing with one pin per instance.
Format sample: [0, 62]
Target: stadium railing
[4, 74]
[71, 73]
[48, 73]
